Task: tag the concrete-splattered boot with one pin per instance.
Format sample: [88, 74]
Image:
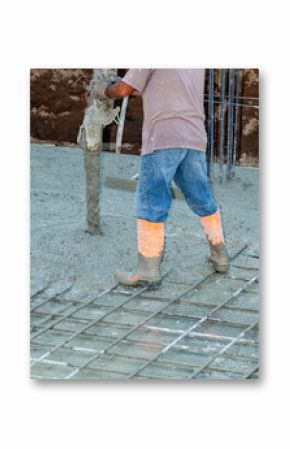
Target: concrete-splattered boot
[214, 232]
[150, 252]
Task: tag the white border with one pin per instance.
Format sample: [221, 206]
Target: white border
[131, 34]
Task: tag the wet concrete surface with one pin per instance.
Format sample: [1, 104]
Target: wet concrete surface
[71, 270]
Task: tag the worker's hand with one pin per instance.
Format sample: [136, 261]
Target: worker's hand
[98, 89]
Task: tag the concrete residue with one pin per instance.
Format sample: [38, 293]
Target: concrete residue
[92, 162]
[99, 114]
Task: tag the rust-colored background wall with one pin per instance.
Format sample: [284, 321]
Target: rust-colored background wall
[58, 101]
[249, 136]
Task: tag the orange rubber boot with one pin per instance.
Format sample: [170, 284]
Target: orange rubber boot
[214, 233]
[150, 251]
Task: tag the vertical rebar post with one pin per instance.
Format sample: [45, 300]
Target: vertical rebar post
[230, 122]
[236, 121]
[210, 122]
[212, 118]
[208, 128]
[222, 124]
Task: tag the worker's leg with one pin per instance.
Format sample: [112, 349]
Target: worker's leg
[153, 200]
[157, 170]
[191, 178]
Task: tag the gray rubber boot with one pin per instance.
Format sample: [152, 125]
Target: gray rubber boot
[147, 273]
[219, 257]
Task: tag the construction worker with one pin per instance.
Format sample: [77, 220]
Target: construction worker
[173, 149]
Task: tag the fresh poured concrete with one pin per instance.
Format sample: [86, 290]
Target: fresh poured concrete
[64, 256]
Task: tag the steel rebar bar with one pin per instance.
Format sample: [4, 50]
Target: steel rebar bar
[49, 299]
[222, 124]
[224, 349]
[230, 121]
[210, 123]
[236, 123]
[252, 371]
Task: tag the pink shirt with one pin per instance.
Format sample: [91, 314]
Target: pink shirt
[172, 106]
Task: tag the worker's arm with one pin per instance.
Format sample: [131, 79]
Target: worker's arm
[120, 90]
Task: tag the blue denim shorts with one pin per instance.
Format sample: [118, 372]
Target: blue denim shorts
[187, 168]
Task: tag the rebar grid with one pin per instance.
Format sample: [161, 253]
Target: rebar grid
[85, 328]
[191, 316]
[228, 341]
[127, 334]
[194, 326]
[224, 349]
[63, 317]
[62, 292]
[170, 363]
[140, 324]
